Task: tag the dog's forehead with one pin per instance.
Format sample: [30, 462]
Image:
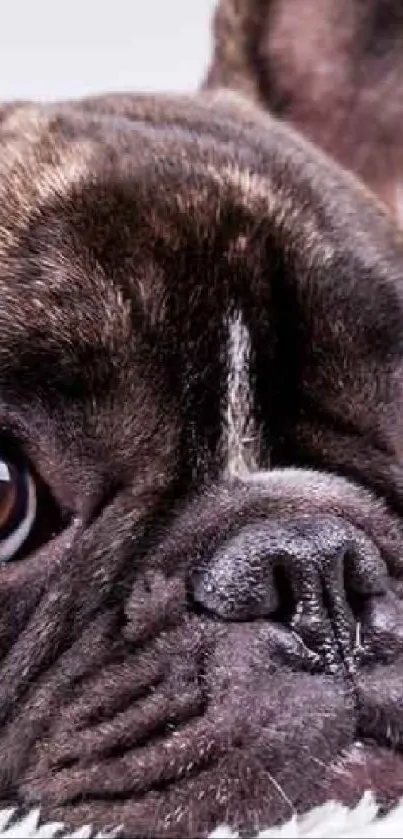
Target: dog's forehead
[99, 221]
[95, 206]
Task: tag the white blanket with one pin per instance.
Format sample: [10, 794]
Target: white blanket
[332, 821]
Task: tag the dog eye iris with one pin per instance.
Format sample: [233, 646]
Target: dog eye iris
[18, 505]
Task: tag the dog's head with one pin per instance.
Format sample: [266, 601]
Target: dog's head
[130, 231]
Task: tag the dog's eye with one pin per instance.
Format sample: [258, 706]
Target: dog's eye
[18, 507]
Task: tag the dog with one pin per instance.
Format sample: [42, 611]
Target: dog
[201, 343]
[332, 70]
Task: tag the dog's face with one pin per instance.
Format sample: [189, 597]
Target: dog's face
[200, 402]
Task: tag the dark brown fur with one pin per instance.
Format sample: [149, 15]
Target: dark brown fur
[128, 226]
[332, 69]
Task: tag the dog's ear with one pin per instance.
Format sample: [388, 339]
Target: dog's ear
[332, 70]
[237, 30]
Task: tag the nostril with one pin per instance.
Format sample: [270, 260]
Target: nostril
[286, 597]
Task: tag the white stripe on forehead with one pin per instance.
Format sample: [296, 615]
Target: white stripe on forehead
[241, 439]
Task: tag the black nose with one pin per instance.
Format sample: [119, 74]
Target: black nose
[238, 582]
[308, 572]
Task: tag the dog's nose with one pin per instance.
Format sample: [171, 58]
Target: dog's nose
[313, 573]
[238, 581]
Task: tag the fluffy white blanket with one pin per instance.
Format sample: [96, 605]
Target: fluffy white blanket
[332, 821]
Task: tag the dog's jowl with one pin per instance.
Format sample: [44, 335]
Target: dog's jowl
[201, 343]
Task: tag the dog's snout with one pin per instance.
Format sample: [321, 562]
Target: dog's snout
[238, 582]
[315, 575]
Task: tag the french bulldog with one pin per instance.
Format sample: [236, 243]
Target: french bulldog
[332, 70]
[201, 495]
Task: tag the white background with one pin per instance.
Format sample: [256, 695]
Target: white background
[51, 49]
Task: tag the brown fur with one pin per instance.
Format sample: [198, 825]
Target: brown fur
[128, 226]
